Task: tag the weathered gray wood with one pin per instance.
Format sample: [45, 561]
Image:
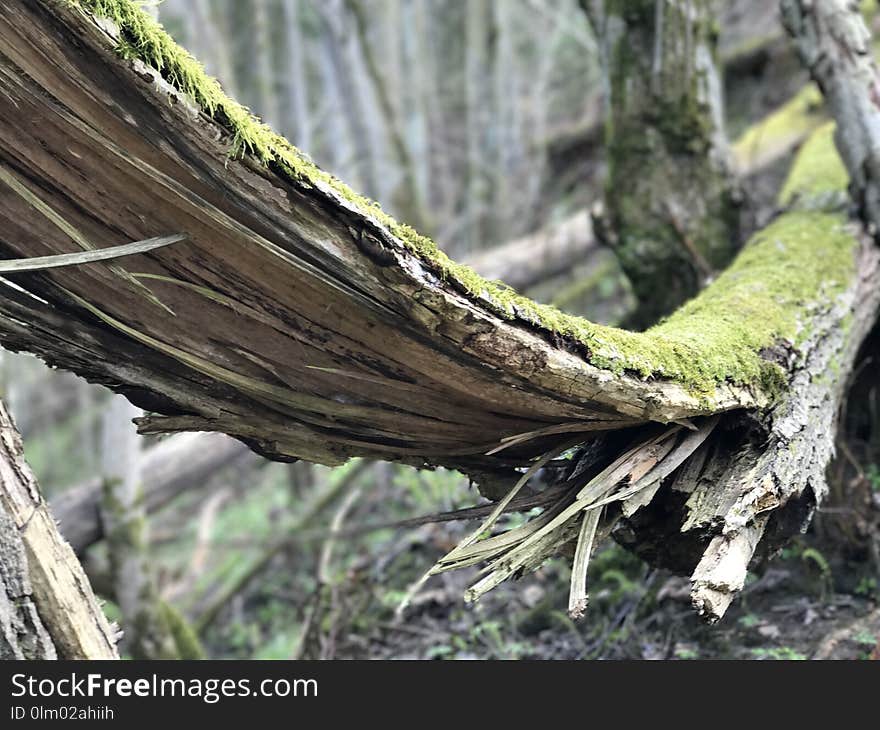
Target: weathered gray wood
[299, 320]
[37, 263]
[835, 46]
[22, 633]
[40, 573]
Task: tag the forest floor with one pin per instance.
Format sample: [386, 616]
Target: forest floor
[810, 601]
[648, 619]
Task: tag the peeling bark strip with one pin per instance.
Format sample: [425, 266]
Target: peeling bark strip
[39, 573]
[19, 266]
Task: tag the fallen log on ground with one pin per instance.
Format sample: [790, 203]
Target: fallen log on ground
[300, 318]
[181, 463]
[527, 261]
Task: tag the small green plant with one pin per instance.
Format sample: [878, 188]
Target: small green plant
[811, 555]
[489, 633]
[872, 473]
[866, 638]
[686, 652]
[441, 651]
[778, 653]
[866, 587]
[749, 621]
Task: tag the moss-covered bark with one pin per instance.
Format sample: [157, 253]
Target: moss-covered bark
[307, 321]
[670, 198]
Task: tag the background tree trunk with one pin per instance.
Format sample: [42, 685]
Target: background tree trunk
[671, 199]
[152, 629]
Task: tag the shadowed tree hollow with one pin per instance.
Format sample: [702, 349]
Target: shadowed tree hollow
[300, 318]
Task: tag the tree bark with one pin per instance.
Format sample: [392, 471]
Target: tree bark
[835, 45]
[47, 608]
[22, 633]
[302, 319]
[671, 202]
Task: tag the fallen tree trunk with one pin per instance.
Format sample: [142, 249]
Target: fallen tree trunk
[301, 319]
[181, 463]
[527, 261]
[187, 461]
[47, 608]
[296, 315]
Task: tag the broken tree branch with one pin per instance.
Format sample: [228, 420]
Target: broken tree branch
[300, 318]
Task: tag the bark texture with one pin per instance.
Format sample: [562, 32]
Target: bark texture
[299, 318]
[47, 608]
[22, 633]
[671, 203]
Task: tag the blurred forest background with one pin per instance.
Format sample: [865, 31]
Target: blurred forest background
[480, 123]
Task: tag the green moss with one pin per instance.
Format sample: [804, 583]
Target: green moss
[791, 122]
[759, 299]
[717, 337]
[818, 176]
[185, 640]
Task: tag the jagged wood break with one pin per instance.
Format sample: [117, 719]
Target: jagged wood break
[303, 320]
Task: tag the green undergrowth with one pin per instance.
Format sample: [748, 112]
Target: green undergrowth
[716, 338]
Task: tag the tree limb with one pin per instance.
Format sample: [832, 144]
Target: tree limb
[303, 320]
